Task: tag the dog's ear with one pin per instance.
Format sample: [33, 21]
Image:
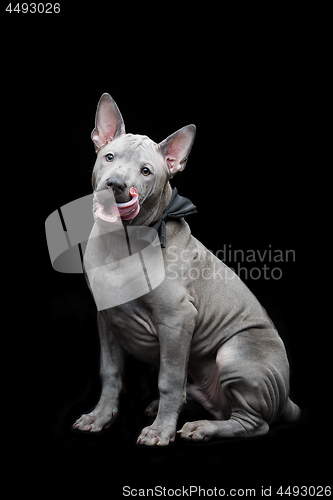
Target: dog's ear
[109, 123]
[177, 147]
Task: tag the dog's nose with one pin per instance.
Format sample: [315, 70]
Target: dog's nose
[117, 185]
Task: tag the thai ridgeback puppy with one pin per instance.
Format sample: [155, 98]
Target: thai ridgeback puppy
[210, 337]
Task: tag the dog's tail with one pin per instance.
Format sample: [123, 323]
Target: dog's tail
[291, 412]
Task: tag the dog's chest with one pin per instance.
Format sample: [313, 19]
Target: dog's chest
[135, 331]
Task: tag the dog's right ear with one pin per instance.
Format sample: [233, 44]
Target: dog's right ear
[109, 123]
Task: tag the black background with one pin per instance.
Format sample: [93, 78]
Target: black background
[246, 97]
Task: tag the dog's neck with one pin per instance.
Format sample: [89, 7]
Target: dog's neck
[148, 217]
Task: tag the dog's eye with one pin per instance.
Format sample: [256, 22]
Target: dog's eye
[109, 157]
[145, 171]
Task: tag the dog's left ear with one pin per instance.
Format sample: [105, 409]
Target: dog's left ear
[109, 123]
[177, 147]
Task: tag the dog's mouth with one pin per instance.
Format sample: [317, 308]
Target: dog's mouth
[109, 211]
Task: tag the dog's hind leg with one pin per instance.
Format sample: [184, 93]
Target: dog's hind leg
[244, 421]
[254, 375]
[236, 427]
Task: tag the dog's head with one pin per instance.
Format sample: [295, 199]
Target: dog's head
[131, 171]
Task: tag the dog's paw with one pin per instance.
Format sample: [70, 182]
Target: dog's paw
[95, 421]
[201, 430]
[151, 436]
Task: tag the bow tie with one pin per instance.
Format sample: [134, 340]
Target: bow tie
[178, 207]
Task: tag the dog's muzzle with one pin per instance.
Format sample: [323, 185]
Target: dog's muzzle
[108, 210]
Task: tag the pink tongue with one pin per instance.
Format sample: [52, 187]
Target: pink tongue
[127, 210]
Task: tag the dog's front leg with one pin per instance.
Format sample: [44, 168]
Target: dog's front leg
[174, 354]
[111, 369]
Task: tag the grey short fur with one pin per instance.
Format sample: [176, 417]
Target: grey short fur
[212, 332]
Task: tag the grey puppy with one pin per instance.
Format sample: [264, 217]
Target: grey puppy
[210, 337]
